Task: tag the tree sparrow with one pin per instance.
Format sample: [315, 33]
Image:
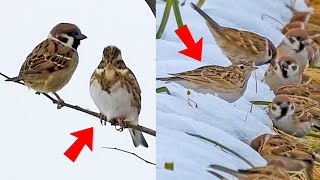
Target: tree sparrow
[284, 71]
[51, 64]
[293, 45]
[289, 117]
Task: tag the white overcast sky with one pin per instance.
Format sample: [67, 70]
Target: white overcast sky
[33, 133]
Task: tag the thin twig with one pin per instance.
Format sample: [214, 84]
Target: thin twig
[222, 146]
[92, 113]
[250, 111]
[130, 153]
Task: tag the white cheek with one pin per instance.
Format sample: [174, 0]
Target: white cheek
[278, 71]
[70, 41]
[290, 110]
[267, 50]
[276, 113]
[295, 45]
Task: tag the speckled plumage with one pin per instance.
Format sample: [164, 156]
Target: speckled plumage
[240, 45]
[116, 92]
[293, 155]
[229, 83]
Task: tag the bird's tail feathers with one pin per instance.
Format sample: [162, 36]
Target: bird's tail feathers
[217, 175]
[226, 170]
[14, 79]
[138, 138]
[168, 79]
[212, 23]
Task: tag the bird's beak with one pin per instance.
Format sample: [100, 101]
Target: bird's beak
[80, 36]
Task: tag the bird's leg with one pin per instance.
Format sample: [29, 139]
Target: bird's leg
[60, 102]
[103, 119]
[119, 122]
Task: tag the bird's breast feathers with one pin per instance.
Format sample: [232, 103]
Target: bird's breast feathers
[115, 103]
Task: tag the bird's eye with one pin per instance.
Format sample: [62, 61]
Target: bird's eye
[278, 103]
[298, 38]
[242, 67]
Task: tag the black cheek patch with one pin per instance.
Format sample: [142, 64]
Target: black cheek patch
[301, 47]
[294, 67]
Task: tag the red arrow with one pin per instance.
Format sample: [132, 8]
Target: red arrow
[194, 50]
[85, 137]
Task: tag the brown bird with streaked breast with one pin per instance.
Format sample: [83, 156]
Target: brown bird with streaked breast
[116, 92]
[229, 83]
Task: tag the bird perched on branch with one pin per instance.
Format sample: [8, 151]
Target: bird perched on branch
[240, 45]
[116, 92]
[51, 64]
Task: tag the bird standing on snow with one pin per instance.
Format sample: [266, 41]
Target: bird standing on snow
[116, 92]
[229, 83]
[240, 45]
[51, 64]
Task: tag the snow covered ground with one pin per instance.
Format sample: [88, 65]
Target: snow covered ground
[33, 133]
[215, 118]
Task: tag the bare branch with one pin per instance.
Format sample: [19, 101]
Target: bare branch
[130, 153]
[152, 5]
[92, 113]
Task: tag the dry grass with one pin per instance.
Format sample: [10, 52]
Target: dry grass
[311, 141]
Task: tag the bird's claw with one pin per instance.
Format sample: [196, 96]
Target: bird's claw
[60, 104]
[119, 124]
[103, 119]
